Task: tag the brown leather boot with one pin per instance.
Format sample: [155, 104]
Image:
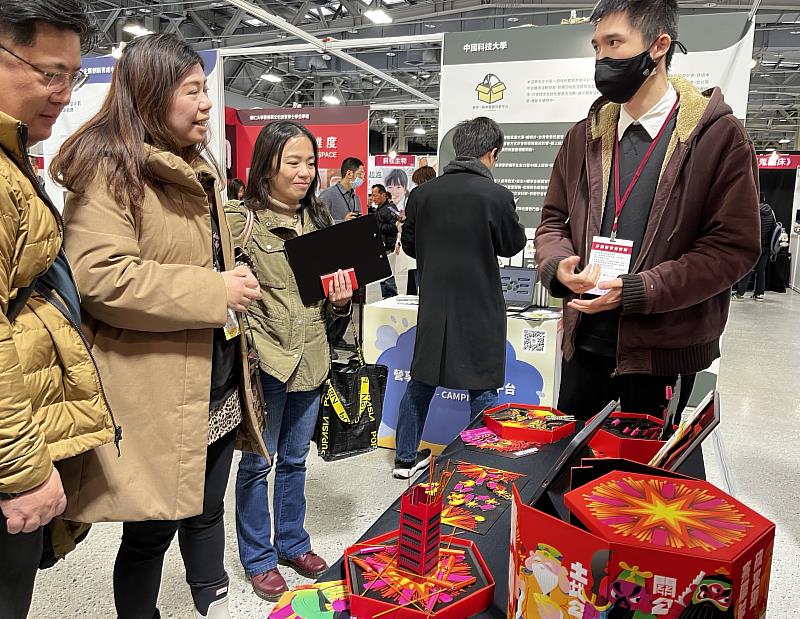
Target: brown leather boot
[308, 565]
[269, 586]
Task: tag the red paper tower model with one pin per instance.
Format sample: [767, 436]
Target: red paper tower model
[420, 529]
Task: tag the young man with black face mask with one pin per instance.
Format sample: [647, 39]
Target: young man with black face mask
[651, 216]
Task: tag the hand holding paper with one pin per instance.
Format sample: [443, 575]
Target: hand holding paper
[609, 301]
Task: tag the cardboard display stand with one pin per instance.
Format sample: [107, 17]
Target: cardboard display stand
[659, 545]
[384, 590]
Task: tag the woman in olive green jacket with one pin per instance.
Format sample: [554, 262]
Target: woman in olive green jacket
[291, 341]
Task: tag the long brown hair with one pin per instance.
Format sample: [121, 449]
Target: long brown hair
[267, 157]
[133, 115]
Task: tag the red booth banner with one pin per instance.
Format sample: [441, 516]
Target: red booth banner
[341, 133]
[401, 161]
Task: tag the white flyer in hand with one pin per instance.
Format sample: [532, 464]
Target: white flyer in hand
[613, 256]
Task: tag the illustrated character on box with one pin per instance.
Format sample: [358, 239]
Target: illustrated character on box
[542, 576]
[713, 599]
[628, 594]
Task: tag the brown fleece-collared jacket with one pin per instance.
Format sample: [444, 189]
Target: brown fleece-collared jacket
[701, 238]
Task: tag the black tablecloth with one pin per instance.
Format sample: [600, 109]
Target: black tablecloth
[494, 544]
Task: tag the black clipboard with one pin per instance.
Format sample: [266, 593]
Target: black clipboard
[354, 244]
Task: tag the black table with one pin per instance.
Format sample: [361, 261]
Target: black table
[495, 543]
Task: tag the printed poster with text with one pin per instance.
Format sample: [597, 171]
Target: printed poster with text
[537, 82]
[340, 133]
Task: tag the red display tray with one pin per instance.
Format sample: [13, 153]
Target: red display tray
[609, 445]
[517, 431]
[474, 599]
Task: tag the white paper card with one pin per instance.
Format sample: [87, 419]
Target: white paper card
[612, 256]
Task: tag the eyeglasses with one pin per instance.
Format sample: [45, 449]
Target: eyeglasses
[58, 81]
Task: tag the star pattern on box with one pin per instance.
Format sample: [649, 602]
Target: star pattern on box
[667, 513]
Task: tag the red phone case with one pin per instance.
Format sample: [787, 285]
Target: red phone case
[327, 279]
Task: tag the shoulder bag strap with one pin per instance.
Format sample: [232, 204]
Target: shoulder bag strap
[247, 233]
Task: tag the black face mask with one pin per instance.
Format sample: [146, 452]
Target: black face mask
[618, 79]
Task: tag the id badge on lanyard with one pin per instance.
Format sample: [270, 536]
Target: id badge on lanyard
[611, 254]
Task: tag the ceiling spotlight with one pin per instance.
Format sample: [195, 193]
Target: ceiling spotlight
[137, 30]
[353, 31]
[391, 54]
[331, 100]
[513, 20]
[390, 120]
[420, 130]
[396, 89]
[392, 154]
[272, 77]
[431, 26]
[326, 56]
[710, 5]
[784, 141]
[425, 75]
[376, 80]
[378, 16]
[781, 120]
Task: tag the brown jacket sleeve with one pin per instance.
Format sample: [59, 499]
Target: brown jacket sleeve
[553, 239]
[24, 458]
[121, 289]
[726, 250]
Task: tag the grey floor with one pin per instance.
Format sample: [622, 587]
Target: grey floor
[759, 437]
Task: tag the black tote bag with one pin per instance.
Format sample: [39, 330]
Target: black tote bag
[350, 408]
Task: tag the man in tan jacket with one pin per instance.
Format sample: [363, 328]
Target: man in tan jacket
[52, 406]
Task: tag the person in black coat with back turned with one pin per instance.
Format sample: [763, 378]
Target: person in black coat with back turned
[768, 223]
[387, 215]
[456, 226]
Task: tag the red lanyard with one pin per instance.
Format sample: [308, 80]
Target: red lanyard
[619, 203]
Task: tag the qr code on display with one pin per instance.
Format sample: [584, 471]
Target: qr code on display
[533, 340]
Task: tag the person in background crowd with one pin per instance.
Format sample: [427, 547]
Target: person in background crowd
[675, 175]
[768, 223]
[396, 182]
[421, 175]
[388, 218]
[147, 237]
[465, 221]
[36, 171]
[291, 343]
[341, 199]
[236, 188]
[51, 403]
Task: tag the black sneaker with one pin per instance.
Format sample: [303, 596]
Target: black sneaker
[758, 297]
[405, 470]
[737, 297]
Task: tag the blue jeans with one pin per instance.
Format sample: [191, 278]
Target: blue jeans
[291, 418]
[414, 412]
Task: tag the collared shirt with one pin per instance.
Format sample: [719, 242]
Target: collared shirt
[340, 201]
[653, 120]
